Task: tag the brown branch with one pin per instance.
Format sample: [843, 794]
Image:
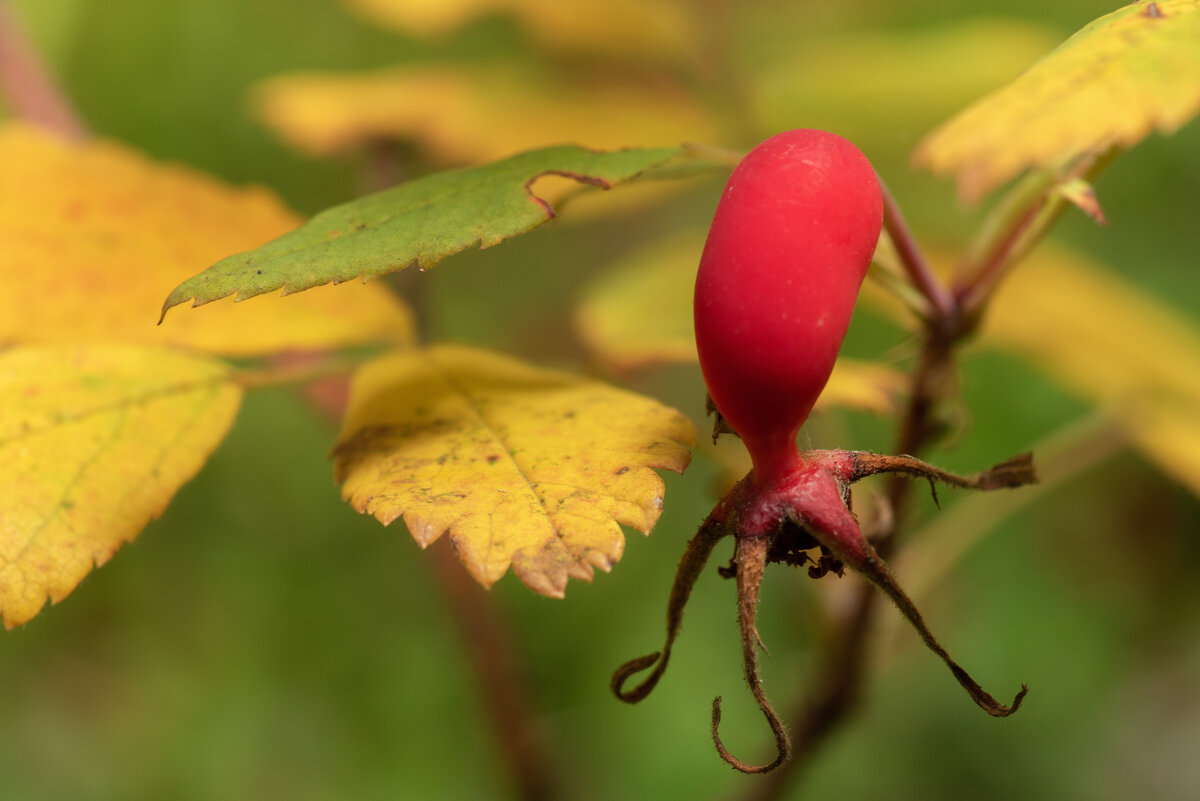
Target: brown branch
[494, 661]
[26, 83]
[485, 635]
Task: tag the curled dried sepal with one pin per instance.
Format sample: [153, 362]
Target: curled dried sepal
[833, 525]
[751, 562]
[783, 522]
[881, 577]
[694, 559]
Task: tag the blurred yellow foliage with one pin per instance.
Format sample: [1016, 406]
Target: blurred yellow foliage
[1111, 343]
[95, 440]
[473, 115]
[95, 235]
[850, 82]
[520, 466]
[661, 29]
[1124, 75]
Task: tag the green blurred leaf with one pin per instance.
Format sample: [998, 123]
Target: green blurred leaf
[423, 221]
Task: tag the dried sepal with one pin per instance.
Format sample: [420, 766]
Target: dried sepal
[696, 556]
[787, 523]
[851, 466]
[751, 563]
[835, 527]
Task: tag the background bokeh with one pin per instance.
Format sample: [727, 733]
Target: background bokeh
[261, 640]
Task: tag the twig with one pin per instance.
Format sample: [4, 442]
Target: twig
[983, 280]
[943, 306]
[492, 657]
[485, 635]
[27, 85]
[1019, 222]
[298, 367]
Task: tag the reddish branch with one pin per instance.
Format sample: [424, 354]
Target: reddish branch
[486, 638]
[26, 84]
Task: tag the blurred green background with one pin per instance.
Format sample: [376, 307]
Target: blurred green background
[264, 641]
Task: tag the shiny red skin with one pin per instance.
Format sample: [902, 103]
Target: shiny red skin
[785, 258]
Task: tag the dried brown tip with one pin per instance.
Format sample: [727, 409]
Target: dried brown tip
[752, 560]
[694, 559]
[1016, 472]
[879, 575]
[719, 425]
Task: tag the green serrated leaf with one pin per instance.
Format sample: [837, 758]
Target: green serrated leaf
[424, 221]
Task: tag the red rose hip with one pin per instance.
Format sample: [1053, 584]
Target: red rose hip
[787, 252]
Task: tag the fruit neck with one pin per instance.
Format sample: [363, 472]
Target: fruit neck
[775, 466]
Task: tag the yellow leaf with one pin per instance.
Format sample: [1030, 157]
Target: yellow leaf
[464, 115]
[94, 441]
[656, 28]
[95, 235]
[638, 313]
[521, 466]
[1113, 344]
[1110, 84]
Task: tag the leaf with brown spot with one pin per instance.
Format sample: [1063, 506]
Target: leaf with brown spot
[520, 466]
[421, 222]
[1127, 73]
[95, 440]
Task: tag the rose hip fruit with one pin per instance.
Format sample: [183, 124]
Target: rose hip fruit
[786, 255]
[789, 246]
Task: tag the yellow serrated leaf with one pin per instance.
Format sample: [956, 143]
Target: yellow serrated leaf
[95, 235]
[1109, 342]
[638, 313]
[464, 115]
[662, 29]
[521, 466]
[95, 440]
[1124, 75]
